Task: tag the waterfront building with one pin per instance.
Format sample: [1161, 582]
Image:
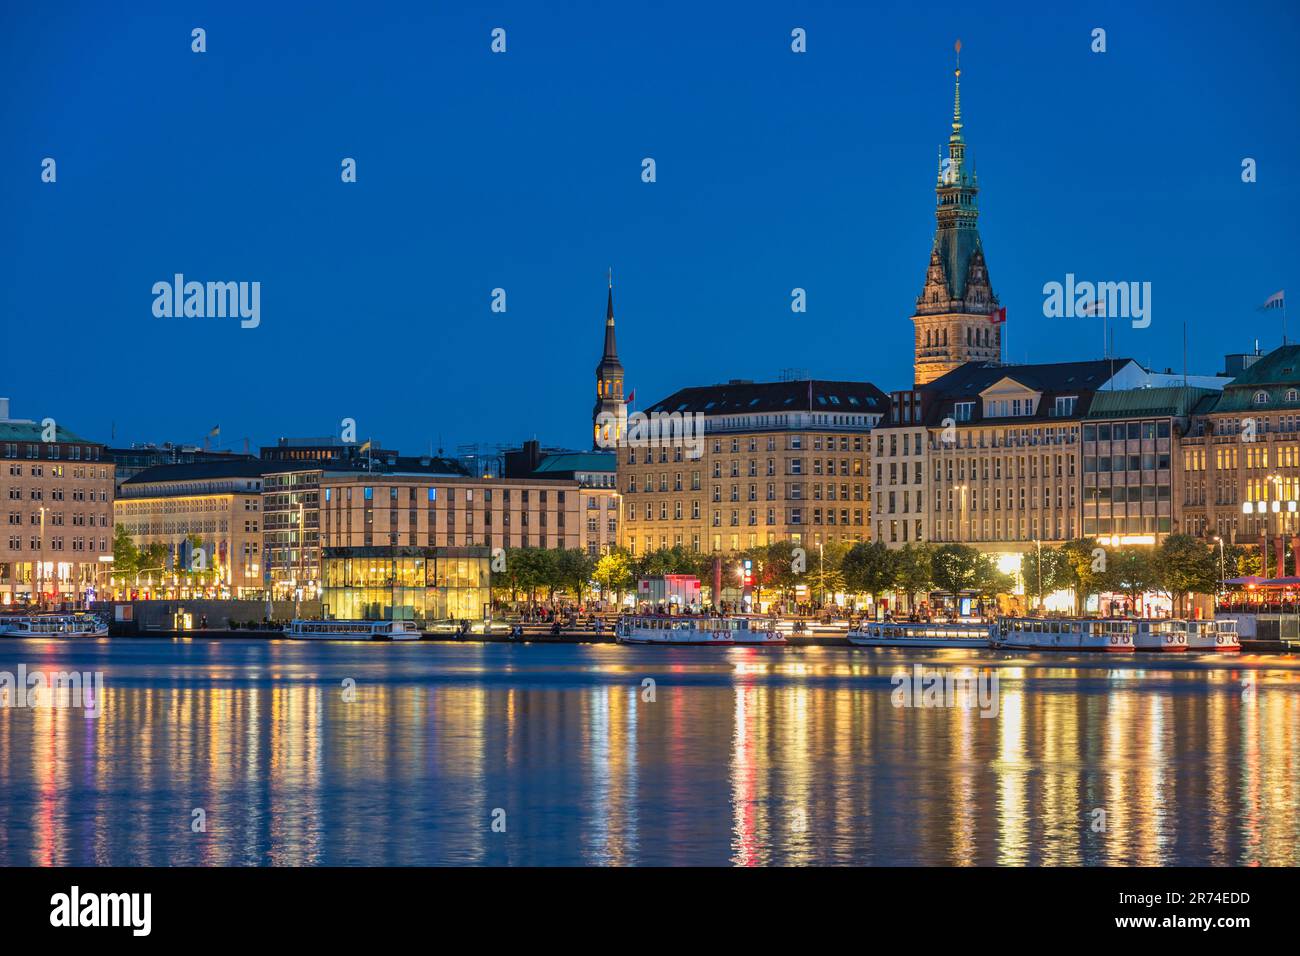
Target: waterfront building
[58, 508]
[1131, 484]
[291, 509]
[596, 475]
[952, 321]
[775, 461]
[422, 584]
[215, 507]
[416, 509]
[993, 455]
[1241, 460]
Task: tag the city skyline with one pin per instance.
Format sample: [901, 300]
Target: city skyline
[704, 271]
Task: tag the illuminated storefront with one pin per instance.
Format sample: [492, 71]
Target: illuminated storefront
[405, 583]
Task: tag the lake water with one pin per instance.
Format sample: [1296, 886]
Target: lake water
[743, 756]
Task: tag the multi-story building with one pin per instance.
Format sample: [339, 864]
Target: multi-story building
[1131, 484]
[291, 511]
[215, 507]
[775, 461]
[1240, 461]
[425, 510]
[1002, 456]
[57, 490]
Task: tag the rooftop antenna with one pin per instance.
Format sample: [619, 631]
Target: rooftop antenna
[1184, 355]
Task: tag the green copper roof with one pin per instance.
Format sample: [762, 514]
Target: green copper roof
[1146, 402]
[1275, 378]
[31, 431]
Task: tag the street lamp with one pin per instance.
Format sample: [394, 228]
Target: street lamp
[1221, 575]
[1039, 545]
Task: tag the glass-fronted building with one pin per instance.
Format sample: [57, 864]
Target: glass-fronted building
[405, 583]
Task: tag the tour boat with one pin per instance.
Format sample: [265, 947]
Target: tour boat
[353, 631]
[1219, 636]
[1165, 636]
[688, 629]
[53, 625]
[1064, 634]
[912, 634]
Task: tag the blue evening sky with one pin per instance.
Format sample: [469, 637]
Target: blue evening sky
[523, 171]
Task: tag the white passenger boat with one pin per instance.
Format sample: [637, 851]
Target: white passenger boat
[1219, 636]
[353, 631]
[912, 634]
[689, 629]
[1165, 636]
[1065, 634]
[53, 625]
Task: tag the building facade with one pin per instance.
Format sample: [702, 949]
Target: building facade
[431, 511]
[774, 461]
[208, 516]
[1240, 461]
[58, 491]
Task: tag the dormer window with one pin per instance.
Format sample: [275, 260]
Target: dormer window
[1292, 395]
[1261, 398]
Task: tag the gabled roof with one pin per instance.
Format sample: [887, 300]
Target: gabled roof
[967, 381]
[739, 398]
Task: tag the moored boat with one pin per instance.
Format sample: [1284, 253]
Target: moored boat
[353, 631]
[1219, 636]
[53, 625]
[1165, 636]
[1065, 634]
[913, 634]
[689, 629]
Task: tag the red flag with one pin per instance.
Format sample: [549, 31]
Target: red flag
[998, 316]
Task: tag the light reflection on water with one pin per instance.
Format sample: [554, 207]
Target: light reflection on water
[745, 756]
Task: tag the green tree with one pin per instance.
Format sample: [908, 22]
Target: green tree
[1132, 572]
[1055, 572]
[956, 568]
[989, 580]
[1085, 567]
[915, 570]
[613, 573]
[126, 556]
[870, 568]
[1185, 565]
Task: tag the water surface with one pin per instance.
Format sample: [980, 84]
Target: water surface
[744, 756]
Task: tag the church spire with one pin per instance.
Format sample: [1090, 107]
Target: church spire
[609, 417]
[951, 318]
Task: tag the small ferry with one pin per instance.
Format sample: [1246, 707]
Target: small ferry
[1065, 634]
[689, 629]
[53, 625]
[1165, 636]
[1219, 636]
[353, 631]
[912, 634]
